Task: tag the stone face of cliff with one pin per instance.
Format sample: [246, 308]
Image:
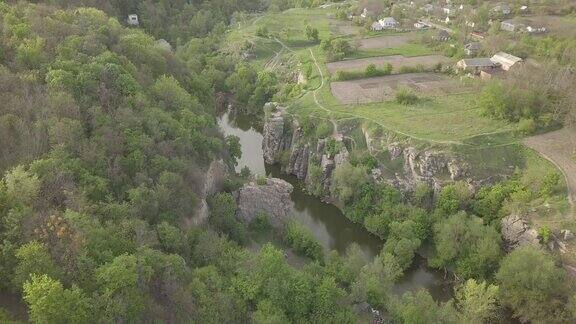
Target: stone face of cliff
[432, 166]
[214, 179]
[272, 198]
[276, 135]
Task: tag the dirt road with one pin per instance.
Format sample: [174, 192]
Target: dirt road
[559, 147]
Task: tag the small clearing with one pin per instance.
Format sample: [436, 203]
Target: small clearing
[387, 41]
[397, 62]
[559, 147]
[384, 88]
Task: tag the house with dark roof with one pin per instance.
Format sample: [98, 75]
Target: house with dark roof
[475, 65]
[442, 35]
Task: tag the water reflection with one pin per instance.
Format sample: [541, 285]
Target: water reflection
[325, 221]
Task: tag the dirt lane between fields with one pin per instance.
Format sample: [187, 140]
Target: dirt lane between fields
[559, 148]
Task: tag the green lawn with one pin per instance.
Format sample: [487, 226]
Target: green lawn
[441, 119]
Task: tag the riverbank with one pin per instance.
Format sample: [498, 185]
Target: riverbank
[326, 221]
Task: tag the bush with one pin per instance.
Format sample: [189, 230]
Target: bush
[544, 233]
[260, 224]
[371, 71]
[527, 126]
[261, 180]
[406, 97]
[222, 217]
[302, 241]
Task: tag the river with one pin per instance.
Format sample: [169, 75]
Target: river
[325, 221]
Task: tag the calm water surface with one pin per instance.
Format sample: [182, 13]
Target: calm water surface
[325, 221]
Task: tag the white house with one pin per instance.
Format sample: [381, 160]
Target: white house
[132, 20]
[385, 23]
[364, 13]
[535, 29]
[420, 25]
[376, 26]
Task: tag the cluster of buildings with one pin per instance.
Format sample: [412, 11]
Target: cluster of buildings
[487, 68]
[527, 26]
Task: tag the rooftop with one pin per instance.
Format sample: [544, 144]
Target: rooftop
[478, 62]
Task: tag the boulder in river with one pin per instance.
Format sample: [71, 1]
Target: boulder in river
[273, 198]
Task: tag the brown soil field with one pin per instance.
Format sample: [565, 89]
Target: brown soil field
[559, 147]
[397, 62]
[384, 88]
[388, 41]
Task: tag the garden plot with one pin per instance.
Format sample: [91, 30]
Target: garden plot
[397, 62]
[384, 88]
[343, 28]
[387, 41]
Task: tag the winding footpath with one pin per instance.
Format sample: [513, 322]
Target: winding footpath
[559, 147]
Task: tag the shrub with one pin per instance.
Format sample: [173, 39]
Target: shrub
[544, 233]
[261, 223]
[527, 126]
[261, 180]
[371, 71]
[406, 97]
[302, 241]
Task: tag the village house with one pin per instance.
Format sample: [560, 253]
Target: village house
[475, 65]
[428, 8]
[421, 25]
[385, 23]
[133, 20]
[505, 61]
[503, 9]
[442, 36]
[510, 25]
[536, 29]
[477, 36]
[472, 48]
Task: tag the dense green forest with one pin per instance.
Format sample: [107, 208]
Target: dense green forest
[105, 136]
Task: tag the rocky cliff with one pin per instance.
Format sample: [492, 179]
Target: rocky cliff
[214, 177]
[284, 143]
[272, 198]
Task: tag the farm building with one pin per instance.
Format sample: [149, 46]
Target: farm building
[505, 60]
[476, 65]
[133, 20]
